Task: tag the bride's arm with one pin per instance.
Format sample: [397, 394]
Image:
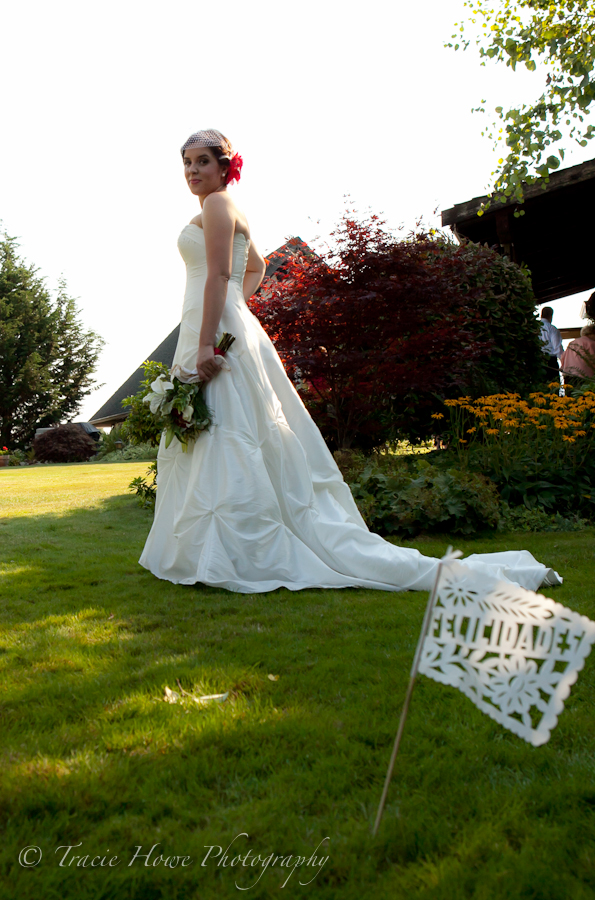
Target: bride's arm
[255, 272]
[218, 226]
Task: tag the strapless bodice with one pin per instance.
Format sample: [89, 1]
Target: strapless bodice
[191, 244]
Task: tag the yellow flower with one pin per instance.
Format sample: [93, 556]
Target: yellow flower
[451, 402]
[437, 416]
[581, 433]
[461, 441]
[471, 430]
[496, 431]
[566, 437]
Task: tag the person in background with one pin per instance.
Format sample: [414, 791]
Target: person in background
[578, 360]
[588, 310]
[552, 341]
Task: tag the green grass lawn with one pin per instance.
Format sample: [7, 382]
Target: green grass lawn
[93, 756]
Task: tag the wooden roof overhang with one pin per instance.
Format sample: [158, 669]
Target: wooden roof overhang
[555, 237]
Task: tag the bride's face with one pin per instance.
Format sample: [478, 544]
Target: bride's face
[202, 170]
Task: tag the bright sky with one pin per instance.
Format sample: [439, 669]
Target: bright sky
[322, 99]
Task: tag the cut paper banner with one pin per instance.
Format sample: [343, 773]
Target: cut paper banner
[514, 653]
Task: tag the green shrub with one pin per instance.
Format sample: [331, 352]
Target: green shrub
[108, 443]
[519, 518]
[17, 457]
[131, 452]
[146, 488]
[141, 426]
[419, 496]
[505, 314]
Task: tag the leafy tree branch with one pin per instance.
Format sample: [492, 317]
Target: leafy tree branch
[561, 36]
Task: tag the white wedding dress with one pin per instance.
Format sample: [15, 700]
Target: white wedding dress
[257, 502]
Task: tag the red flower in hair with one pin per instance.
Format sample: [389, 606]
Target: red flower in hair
[235, 168]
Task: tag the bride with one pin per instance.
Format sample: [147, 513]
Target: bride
[257, 502]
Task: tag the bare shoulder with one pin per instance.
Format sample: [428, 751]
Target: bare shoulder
[220, 207]
[218, 202]
[218, 211]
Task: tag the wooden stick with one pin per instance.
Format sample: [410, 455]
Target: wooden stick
[414, 668]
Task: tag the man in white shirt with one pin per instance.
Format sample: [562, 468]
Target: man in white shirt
[552, 341]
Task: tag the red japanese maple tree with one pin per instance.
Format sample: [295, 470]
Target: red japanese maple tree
[374, 331]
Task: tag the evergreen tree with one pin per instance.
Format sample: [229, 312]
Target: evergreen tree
[46, 357]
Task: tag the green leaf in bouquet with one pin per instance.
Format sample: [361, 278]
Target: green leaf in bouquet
[169, 436]
[201, 410]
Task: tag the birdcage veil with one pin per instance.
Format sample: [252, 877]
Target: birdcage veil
[209, 137]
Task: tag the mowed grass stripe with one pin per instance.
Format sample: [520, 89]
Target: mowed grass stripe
[31, 491]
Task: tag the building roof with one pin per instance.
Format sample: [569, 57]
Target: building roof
[113, 412]
[553, 237]
[276, 260]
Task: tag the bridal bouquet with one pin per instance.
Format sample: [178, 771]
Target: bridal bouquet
[178, 402]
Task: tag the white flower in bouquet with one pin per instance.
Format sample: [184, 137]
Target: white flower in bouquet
[177, 399]
[157, 396]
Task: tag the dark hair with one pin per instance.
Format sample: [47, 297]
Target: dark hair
[547, 312]
[219, 154]
[590, 307]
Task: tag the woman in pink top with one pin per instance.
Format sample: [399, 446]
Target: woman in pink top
[578, 359]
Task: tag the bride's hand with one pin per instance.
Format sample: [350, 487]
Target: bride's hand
[206, 366]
